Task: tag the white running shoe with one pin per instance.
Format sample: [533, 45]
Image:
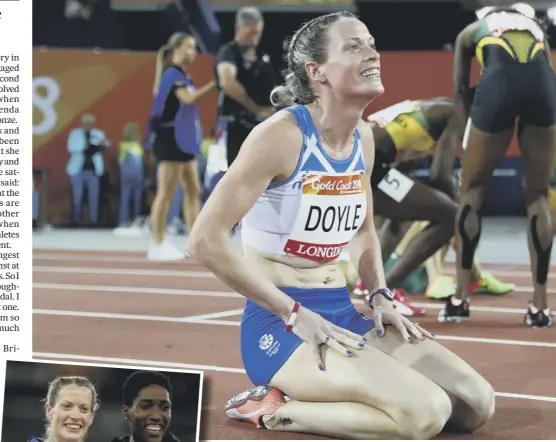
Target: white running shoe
[165, 251]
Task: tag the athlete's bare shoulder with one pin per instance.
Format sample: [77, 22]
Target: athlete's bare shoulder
[368, 144]
[275, 144]
[282, 125]
[437, 108]
[466, 36]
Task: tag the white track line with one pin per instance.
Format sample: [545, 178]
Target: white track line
[195, 320]
[73, 269]
[123, 316]
[477, 308]
[216, 315]
[527, 396]
[223, 294]
[135, 256]
[113, 271]
[170, 273]
[142, 290]
[109, 257]
[507, 273]
[139, 362]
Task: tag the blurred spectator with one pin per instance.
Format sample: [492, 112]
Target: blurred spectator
[132, 174]
[86, 166]
[35, 204]
[245, 78]
[175, 128]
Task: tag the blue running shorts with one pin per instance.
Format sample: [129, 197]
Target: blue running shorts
[265, 344]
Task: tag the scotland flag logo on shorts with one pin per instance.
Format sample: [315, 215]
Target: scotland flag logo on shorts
[266, 341]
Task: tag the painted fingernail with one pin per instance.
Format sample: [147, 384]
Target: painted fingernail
[365, 340]
[379, 332]
[410, 339]
[321, 367]
[349, 353]
[361, 345]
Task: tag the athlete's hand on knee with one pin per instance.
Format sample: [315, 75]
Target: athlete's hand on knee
[385, 314]
[317, 331]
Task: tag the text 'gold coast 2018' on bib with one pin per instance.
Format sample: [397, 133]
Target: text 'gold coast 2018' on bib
[332, 210]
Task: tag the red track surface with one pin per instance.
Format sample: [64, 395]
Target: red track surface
[91, 305]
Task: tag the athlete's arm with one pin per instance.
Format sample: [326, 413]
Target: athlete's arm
[364, 248]
[443, 159]
[226, 70]
[270, 150]
[463, 54]
[548, 52]
[190, 98]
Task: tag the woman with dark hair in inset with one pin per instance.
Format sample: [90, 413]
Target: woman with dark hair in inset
[70, 406]
[147, 407]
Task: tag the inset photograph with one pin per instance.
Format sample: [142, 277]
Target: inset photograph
[53, 402]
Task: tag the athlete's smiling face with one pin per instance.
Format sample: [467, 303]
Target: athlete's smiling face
[352, 67]
[150, 414]
[72, 414]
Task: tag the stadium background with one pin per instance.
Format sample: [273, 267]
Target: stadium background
[105, 65]
[27, 384]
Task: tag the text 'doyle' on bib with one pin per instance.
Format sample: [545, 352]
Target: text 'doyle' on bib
[332, 209]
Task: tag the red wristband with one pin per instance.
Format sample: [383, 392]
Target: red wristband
[293, 317]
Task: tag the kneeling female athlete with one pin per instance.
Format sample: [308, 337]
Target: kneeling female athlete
[517, 81]
[299, 186]
[405, 132]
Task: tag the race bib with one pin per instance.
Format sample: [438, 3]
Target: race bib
[396, 185]
[331, 211]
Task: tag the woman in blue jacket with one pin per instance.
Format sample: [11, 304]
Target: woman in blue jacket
[176, 136]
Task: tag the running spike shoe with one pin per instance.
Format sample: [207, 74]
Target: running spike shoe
[537, 318]
[253, 404]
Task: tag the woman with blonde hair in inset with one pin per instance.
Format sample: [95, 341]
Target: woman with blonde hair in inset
[176, 136]
[70, 405]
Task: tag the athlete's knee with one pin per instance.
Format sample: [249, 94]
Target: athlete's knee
[165, 191]
[472, 196]
[477, 400]
[163, 198]
[446, 211]
[535, 195]
[423, 415]
[193, 190]
[540, 221]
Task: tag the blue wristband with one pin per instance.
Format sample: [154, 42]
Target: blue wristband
[384, 292]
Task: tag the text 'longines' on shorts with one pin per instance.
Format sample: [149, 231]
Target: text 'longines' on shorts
[265, 344]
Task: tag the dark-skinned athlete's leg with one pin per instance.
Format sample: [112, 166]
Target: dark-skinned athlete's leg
[422, 203]
[537, 147]
[482, 153]
[390, 234]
